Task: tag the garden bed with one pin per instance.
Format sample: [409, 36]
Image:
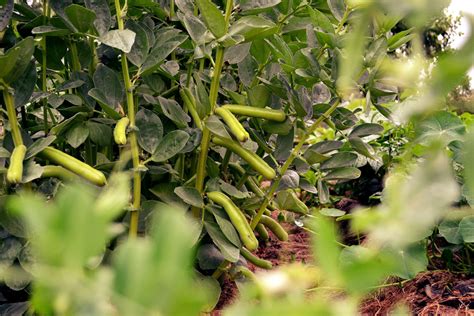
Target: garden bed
[437, 292]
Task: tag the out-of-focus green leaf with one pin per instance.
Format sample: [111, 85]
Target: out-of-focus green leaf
[410, 260]
[331, 212]
[466, 229]
[450, 226]
[412, 204]
[443, 126]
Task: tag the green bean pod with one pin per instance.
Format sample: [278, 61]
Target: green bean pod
[190, 104]
[275, 227]
[256, 261]
[58, 172]
[237, 218]
[72, 164]
[268, 114]
[120, 131]
[257, 163]
[262, 232]
[15, 170]
[233, 123]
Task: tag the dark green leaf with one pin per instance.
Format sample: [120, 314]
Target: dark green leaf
[320, 20]
[287, 200]
[214, 124]
[141, 46]
[257, 6]
[228, 250]
[230, 190]
[190, 196]
[284, 145]
[290, 180]
[209, 257]
[100, 134]
[100, 97]
[253, 28]
[16, 60]
[103, 19]
[367, 129]
[80, 17]
[49, 30]
[344, 173]
[225, 225]
[326, 146]
[77, 134]
[174, 112]
[167, 41]
[108, 82]
[150, 130]
[25, 85]
[170, 145]
[213, 17]
[331, 212]
[338, 160]
[362, 147]
[39, 145]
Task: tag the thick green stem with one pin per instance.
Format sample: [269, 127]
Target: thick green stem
[206, 134]
[132, 136]
[172, 9]
[76, 64]
[46, 12]
[12, 119]
[216, 77]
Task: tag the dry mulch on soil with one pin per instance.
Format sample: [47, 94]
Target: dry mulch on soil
[430, 293]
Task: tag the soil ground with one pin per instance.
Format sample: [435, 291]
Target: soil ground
[430, 293]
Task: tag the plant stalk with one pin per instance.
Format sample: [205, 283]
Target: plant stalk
[206, 134]
[132, 136]
[12, 118]
[46, 12]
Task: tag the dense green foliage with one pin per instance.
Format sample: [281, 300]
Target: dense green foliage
[182, 110]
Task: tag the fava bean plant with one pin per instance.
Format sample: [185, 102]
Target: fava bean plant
[115, 112]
